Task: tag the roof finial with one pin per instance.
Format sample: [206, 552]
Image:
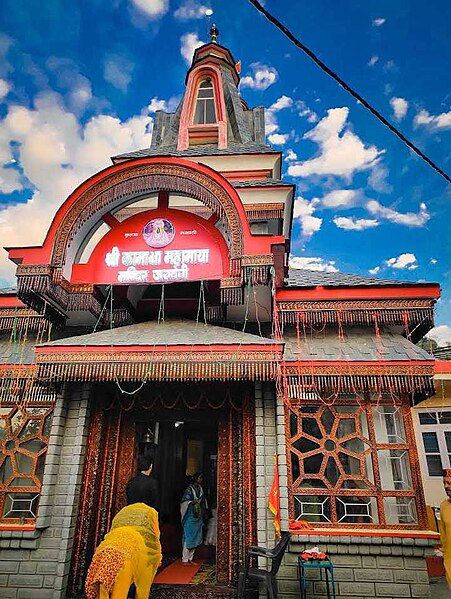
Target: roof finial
[214, 34]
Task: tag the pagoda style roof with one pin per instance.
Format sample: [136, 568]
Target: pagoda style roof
[357, 344]
[169, 350]
[311, 278]
[165, 333]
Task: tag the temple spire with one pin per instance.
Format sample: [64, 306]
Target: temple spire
[214, 34]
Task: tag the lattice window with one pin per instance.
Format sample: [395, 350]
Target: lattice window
[24, 436]
[351, 464]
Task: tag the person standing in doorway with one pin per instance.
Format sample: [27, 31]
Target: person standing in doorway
[143, 488]
[445, 525]
[193, 510]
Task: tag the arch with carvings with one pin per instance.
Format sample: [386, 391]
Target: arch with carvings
[120, 184]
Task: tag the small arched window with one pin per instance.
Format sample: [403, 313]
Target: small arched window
[205, 104]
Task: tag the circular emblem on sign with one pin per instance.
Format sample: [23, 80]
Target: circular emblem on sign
[159, 232]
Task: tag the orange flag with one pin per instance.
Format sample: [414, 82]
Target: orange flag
[274, 498]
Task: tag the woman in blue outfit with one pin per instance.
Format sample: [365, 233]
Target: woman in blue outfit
[193, 510]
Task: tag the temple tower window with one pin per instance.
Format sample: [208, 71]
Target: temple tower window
[205, 111]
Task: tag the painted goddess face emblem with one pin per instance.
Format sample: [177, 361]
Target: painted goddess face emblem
[159, 232]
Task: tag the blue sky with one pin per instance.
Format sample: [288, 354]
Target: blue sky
[80, 82]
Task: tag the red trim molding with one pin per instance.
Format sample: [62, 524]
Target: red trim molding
[416, 290]
[11, 300]
[442, 367]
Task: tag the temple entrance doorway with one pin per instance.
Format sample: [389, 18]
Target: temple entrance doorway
[184, 442]
[194, 426]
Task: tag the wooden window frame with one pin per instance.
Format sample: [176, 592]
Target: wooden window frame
[439, 429]
[11, 445]
[375, 491]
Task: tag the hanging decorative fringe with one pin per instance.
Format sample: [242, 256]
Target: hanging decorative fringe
[163, 366]
[22, 389]
[232, 295]
[214, 314]
[257, 275]
[20, 319]
[235, 268]
[331, 385]
[264, 211]
[364, 315]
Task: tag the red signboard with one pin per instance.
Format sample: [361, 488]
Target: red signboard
[156, 247]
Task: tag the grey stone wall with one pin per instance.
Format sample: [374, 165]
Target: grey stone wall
[35, 564]
[265, 431]
[382, 567]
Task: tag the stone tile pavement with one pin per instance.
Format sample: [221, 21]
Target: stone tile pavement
[439, 590]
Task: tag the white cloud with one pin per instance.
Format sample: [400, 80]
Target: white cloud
[400, 107]
[117, 70]
[341, 155]
[313, 263]
[261, 78]
[439, 121]
[167, 105]
[377, 179]
[290, 156]
[355, 224]
[80, 96]
[409, 219]
[271, 123]
[372, 61]
[379, 21]
[68, 77]
[56, 153]
[303, 210]
[281, 103]
[278, 139]
[5, 88]
[152, 9]
[306, 112]
[375, 270]
[403, 261]
[189, 43]
[190, 10]
[441, 334]
[156, 104]
[340, 198]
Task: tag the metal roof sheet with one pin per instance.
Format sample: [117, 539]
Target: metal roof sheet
[169, 332]
[357, 344]
[312, 278]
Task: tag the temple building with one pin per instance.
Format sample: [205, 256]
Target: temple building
[160, 311]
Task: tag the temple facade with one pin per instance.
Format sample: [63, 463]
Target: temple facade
[161, 310]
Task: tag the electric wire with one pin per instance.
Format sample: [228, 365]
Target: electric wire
[348, 88]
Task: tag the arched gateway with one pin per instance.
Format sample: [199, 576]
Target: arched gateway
[162, 313]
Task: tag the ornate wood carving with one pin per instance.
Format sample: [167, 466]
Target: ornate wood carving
[108, 467]
[342, 461]
[141, 179]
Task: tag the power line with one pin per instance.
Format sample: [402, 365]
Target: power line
[348, 88]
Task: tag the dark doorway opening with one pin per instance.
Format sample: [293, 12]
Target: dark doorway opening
[185, 442]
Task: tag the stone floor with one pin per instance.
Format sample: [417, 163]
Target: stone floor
[191, 592]
[439, 590]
